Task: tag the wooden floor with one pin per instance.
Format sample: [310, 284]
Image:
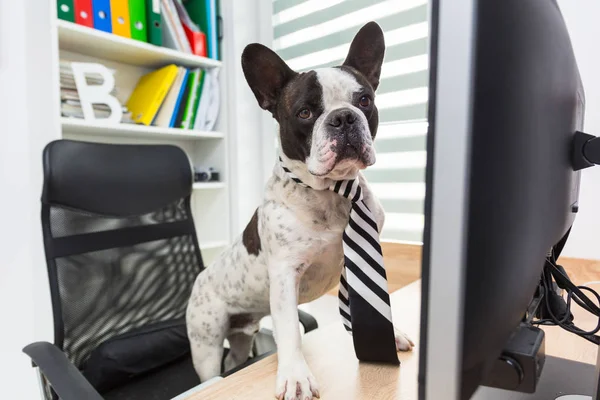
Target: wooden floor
[403, 266]
[581, 271]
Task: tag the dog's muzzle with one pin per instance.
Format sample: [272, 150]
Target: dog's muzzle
[342, 138]
[349, 132]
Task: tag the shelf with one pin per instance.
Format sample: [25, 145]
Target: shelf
[95, 43]
[216, 244]
[208, 185]
[82, 127]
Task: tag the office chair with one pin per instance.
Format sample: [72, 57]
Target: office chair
[122, 256]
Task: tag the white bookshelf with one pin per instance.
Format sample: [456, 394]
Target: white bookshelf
[209, 185]
[79, 126]
[131, 59]
[95, 43]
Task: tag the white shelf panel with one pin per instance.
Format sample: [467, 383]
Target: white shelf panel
[81, 127]
[215, 244]
[208, 185]
[95, 43]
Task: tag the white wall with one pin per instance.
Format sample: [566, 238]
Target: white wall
[29, 121]
[249, 21]
[581, 17]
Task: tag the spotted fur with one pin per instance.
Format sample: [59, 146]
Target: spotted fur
[291, 252]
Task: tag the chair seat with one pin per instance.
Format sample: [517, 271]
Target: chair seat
[172, 380]
[162, 384]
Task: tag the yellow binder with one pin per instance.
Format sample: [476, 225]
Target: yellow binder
[119, 11]
[149, 93]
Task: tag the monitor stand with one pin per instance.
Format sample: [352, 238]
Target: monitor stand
[560, 377]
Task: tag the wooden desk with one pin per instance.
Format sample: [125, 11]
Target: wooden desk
[330, 355]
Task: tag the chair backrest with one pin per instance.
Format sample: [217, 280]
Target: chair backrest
[119, 238]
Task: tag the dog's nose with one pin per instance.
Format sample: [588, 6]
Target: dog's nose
[341, 118]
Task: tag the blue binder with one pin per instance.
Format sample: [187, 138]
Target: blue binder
[213, 47]
[102, 21]
[179, 98]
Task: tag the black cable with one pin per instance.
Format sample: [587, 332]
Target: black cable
[564, 282]
[583, 304]
[574, 294]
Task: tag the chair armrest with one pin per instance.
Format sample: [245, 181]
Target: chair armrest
[308, 321]
[66, 380]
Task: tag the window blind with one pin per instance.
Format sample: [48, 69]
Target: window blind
[310, 34]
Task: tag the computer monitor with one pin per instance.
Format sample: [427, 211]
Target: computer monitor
[505, 101]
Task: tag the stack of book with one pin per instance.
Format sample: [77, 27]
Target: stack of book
[185, 25]
[70, 103]
[176, 97]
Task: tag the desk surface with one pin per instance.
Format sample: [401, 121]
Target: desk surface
[330, 355]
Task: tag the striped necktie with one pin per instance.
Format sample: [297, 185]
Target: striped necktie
[363, 294]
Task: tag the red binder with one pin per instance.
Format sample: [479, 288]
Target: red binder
[195, 36]
[83, 13]
[197, 40]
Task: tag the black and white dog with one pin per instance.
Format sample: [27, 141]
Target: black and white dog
[291, 251]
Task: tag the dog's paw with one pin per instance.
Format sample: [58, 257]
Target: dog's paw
[296, 382]
[403, 342]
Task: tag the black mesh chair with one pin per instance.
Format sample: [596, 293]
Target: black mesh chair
[122, 256]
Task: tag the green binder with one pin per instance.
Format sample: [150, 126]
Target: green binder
[206, 14]
[137, 20]
[153, 22]
[194, 87]
[200, 15]
[65, 10]
[197, 100]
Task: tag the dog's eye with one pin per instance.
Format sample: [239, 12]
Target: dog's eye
[365, 101]
[305, 113]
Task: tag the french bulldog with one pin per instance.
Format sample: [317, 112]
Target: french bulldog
[291, 250]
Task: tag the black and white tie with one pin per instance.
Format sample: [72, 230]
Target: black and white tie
[363, 295]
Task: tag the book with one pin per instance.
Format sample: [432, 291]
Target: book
[213, 48]
[180, 100]
[154, 22]
[200, 120]
[208, 106]
[204, 14]
[74, 110]
[179, 113]
[69, 95]
[65, 10]
[219, 31]
[214, 101]
[197, 100]
[119, 10]
[169, 106]
[67, 79]
[83, 13]
[137, 20]
[102, 16]
[173, 32]
[192, 101]
[194, 35]
[149, 94]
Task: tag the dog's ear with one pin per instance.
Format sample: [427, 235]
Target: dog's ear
[366, 52]
[266, 74]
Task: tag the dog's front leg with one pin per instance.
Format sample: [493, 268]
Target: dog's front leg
[294, 379]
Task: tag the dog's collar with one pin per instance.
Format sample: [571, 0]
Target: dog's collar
[349, 189]
[292, 176]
